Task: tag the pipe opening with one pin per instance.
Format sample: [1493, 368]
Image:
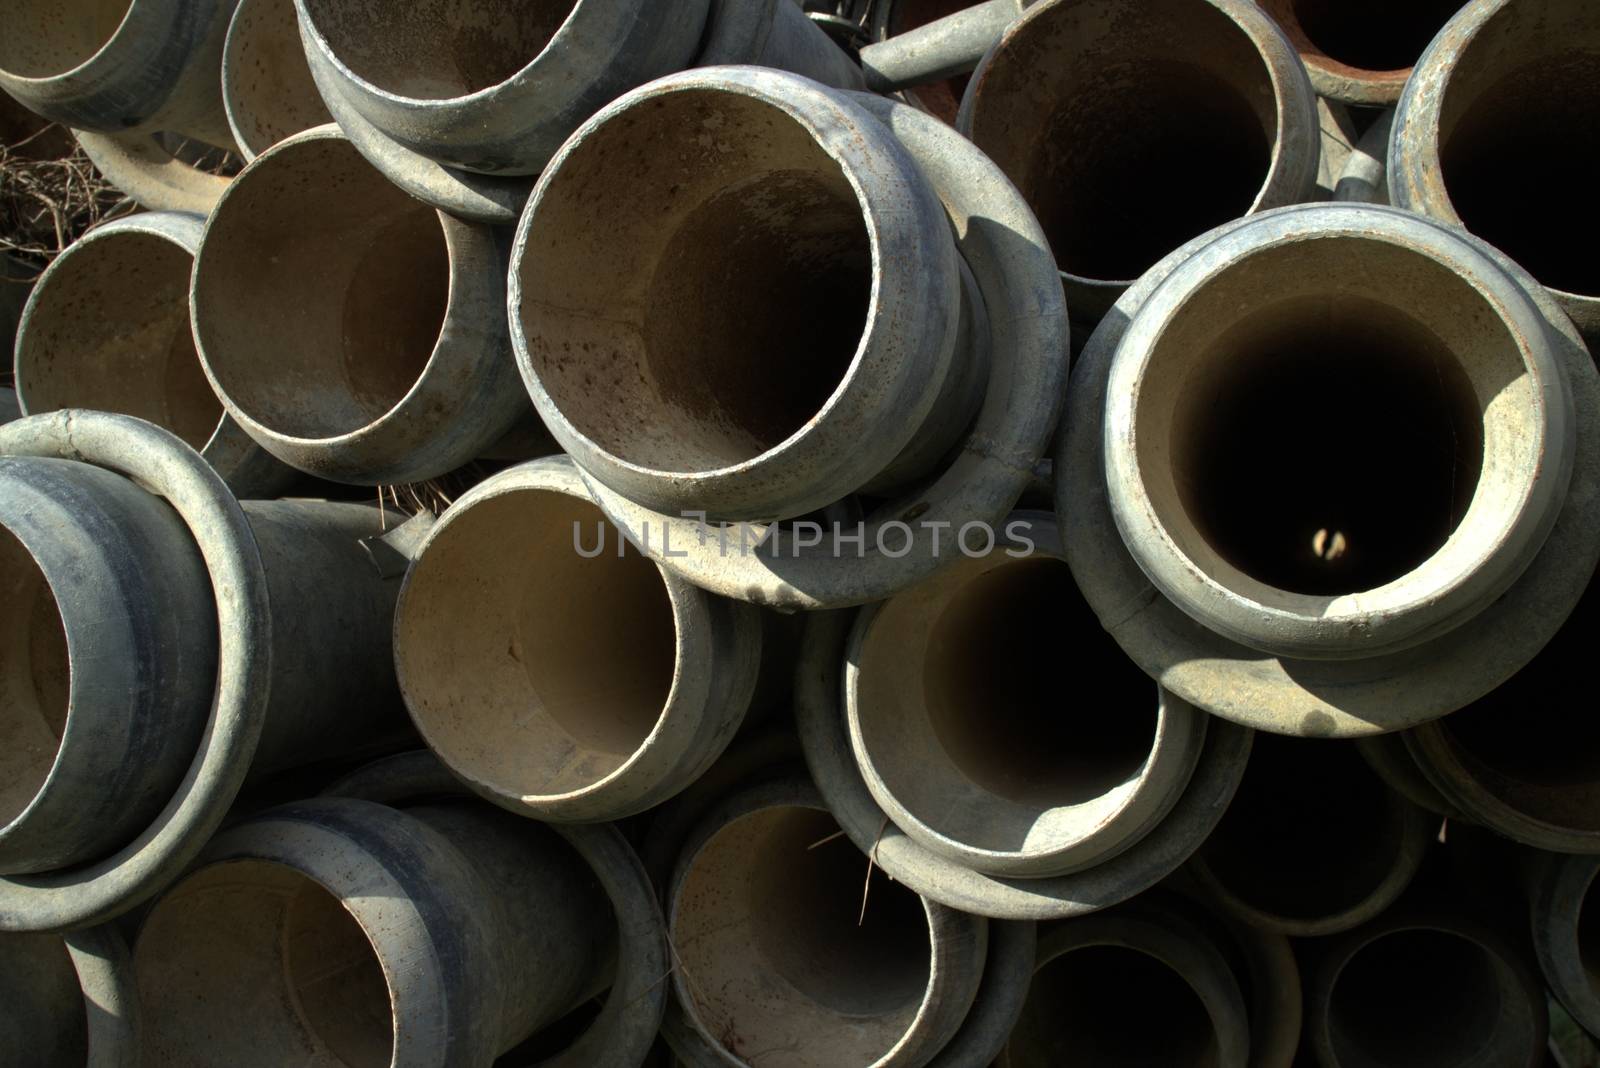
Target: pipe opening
[35, 678]
[960, 706]
[46, 38]
[439, 50]
[1128, 136]
[1112, 1006]
[1416, 997]
[1324, 437]
[1288, 847]
[1522, 741]
[766, 925]
[110, 331]
[1518, 149]
[1375, 36]
[528, 667]
[696, 281]
[320, 291]
[251, 963]
[267, 85]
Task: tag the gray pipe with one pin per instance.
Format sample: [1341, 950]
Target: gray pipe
[354, 333]
[107, 328]
[616, 693]
[251, 638]
[1107, 160]
[936, 49]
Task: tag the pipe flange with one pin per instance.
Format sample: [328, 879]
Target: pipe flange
[1320, 698]
[622, 1034]
[158, 461]
[826, 742]
[105, 972]
[137, 165]
[998, 236]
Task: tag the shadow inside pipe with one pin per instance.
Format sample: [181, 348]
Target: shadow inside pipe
[1374, 36]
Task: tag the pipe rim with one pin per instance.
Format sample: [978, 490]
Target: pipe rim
[97, 892]
[1003, 245]
[1160, 779]
[1292, 168]
[673, 737]
[1560, 887]
[415, 438]
[1320, 698]
[630, 1020]
[1333, 78]
[804, 470]
[826, 746]
[1510, 972]
[1413, 833]
[1446, 766]
[962, 937]
[1415, 171]
[227, 448]
[150, 175]
[232, 45]
[1453, 583]
[105, 971]
[1166, 936]
[128, 28]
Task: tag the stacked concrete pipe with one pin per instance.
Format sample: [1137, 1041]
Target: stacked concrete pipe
[558, 671]
[70, 1000]
[165, 643]
[1503, 82]
[1003, 800]
[107, 328]
[1316, 617]
[354, 333]
[468, 136]
[118, 74]
[1122, 168]
[1360, 52]
[880, 385]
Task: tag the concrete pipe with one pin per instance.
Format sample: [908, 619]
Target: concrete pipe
[463, 119]
[356, 334]
[1496, 132]
[968, 746]
[1139, 984]
[1100, 111]
[1338, 137]
[1360, 51]
[1365, 178]
[343, 931]
[628, 1024]
[928, 48]
[556, 671]
[119, 71]
[1402, 576]
[1291, 856]
[1518, 761]
[9, 408]
[634, 312]
[68, 1001]
[160, 649]
[1564, 918]
[825, 737]
[781, 960]
[1424, 990]
[267, 90]
[107, 328]
[911, 535]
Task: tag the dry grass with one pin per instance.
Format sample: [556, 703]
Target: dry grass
[50, 195]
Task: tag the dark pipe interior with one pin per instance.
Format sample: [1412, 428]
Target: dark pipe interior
[1375, 35]
[1112, 1007]
[1415, 998]
[1527, 739]
[34, 678]
[1523, 161]
[1589, 934]
[999, 707]
[1269, 454]
[1290, 846]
